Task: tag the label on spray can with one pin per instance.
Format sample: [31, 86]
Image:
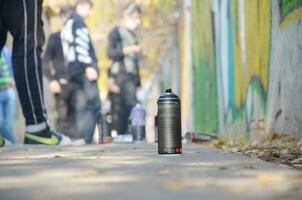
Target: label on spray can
[169, 127]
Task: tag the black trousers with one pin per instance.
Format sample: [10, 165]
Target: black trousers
[64, 119]
[122, 103]
[86, 106]
[22, 18]
[118, 113]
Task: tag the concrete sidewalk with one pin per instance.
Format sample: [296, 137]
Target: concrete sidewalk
[129, 171]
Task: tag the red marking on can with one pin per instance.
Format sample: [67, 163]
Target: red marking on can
[193, 137]
[105, 141]
[178, 150]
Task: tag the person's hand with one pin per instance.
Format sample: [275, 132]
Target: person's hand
[13, 83]
[55, 87]
[91, 74]
[132, 49]
[112, 86]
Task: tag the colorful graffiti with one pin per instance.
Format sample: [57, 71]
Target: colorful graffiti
[225, 39]
[284, 96]
[250, 38]
[186, 72]
[288, 6]
[205, 89]
[290, 10]
[233, 56]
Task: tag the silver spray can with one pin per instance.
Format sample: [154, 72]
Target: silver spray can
[169, 123]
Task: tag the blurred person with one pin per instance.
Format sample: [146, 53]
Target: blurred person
[55, 70]
[23, 20]
[83, 71]
[7, 96]
[124, 79]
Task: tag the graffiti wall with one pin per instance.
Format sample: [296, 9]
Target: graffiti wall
[246, 61]
[285, 86]
[203, 60]
[186, 84]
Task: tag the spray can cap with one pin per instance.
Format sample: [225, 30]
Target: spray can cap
[168, 96]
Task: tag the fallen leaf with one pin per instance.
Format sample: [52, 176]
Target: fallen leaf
[299, 144]
[176, 185]
[89, 172]
[297, 161]
[270, 177]
[165, 172]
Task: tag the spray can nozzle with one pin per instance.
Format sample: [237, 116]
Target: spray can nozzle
[168, 90]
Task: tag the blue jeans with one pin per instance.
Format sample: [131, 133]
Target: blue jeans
[7, 112]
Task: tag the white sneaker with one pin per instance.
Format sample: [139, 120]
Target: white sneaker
[65, 140]
[79, 142]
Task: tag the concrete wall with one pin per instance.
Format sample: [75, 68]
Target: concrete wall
[285, 90]
[246, 63]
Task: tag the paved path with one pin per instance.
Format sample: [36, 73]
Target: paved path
[128, 171]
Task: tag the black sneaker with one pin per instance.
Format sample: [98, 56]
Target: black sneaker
[53, 138]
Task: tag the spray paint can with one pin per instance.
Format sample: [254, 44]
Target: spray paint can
[155, 130]
[138, 128]
[169, 123]
[104, 127]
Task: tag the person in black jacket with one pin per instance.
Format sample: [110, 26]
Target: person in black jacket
[82, 70]
[124, 79]
[55, 70]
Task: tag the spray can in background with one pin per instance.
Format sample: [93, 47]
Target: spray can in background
[104, 127]
[138, 128]
[169, 123]
[155, 130]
